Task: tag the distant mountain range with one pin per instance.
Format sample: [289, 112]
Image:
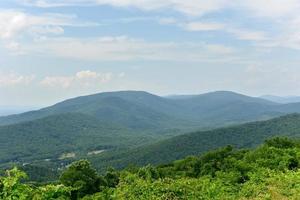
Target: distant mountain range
[125, 120]
[9, 110]
[142, 110]
[280, 99]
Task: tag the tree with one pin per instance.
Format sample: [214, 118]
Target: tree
[112, 177]
[82, 177]
[280, 142]
[11, 188]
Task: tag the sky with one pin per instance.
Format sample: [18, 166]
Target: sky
[51, 50]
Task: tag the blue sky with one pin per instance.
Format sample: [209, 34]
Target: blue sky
[53, 50]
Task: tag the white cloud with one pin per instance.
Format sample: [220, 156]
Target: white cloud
[198, 7]
[82, 78]
[241, 34]
[203, 26]
[57, 30]
[282, 15]
[123, 48]
[189, 7]
[12, 79]
[219, 49]
[251, 35]
[271, 8]
[167, 20]
[45, 3]
[15, 24]
[268, 8]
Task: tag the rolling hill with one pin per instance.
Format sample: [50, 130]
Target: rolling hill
[63, 136]
[242, 136]
[124, 120]
[142, 110]
[129, 108]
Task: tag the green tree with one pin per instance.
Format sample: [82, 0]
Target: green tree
[82, 177]
[12, 189]
[112, 177]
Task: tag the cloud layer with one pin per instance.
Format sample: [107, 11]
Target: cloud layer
[12, 79]
[51, 46]
[85, 78]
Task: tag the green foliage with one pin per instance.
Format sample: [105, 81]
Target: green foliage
[264, 173]
[117, 122]
[59, 192]
[12, 189]
[148, 173]
[82, 177]
[44, 141]
[169, 189]
[111, 178]
[281, 142]
[248, 135]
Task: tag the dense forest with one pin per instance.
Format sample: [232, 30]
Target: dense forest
[119, 128]
[270, 171]
[135, 145]
[247, 135]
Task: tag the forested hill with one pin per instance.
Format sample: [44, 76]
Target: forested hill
[142, 110]
[242, 136]
[113, 122]
[270, 171]
[71, 134]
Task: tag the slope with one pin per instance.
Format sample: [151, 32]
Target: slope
[69, 134]
[244, 136]
[132, 109]
[142, 110]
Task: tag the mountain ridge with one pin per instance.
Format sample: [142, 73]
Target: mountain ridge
[140, 118]
[190, 109]
[242, 136]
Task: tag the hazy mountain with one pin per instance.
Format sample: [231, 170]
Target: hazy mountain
[131, 109]
[279, 99]
[180, 96]
[135, 109]
[10, 110]
[245, 136]
[225, 108]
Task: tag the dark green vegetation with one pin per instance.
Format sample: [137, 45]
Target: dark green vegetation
[119, 128]
[73, 133]
[242, 136]
[271, 171]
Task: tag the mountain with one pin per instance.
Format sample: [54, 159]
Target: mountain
[225, 108]
[279, 99]
[142, 110]
[242, 136]
[132, 109]
[65, 135]
[10, 110]
[115, 121]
